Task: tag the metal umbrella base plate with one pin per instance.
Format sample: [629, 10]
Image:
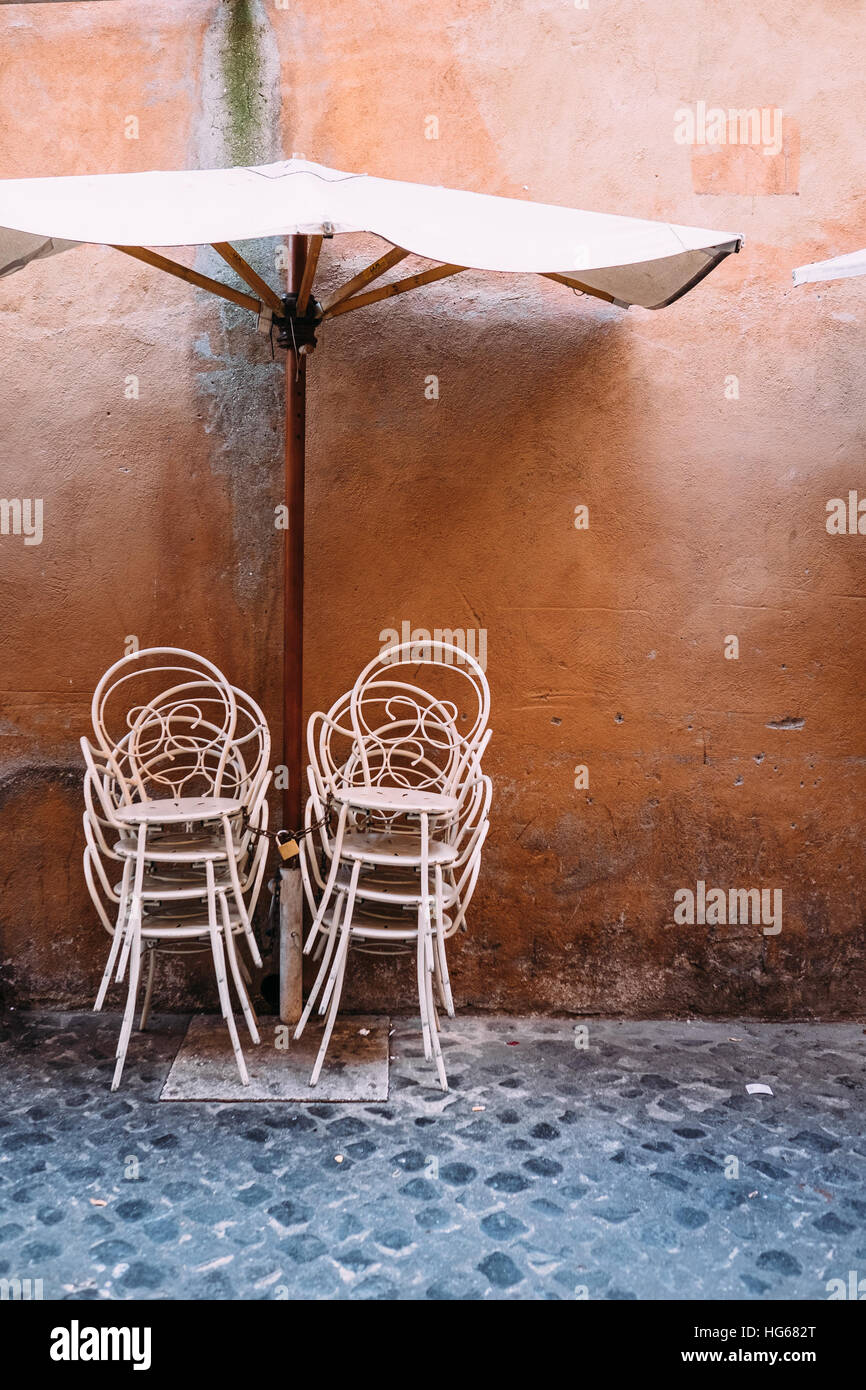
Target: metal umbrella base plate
[356, 1067]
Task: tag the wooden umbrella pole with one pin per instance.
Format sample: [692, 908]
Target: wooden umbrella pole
[291, 887]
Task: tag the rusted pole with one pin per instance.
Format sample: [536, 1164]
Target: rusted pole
[291, 889]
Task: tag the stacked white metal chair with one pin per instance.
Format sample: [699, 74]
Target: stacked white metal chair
[401, 804]
[175, 802]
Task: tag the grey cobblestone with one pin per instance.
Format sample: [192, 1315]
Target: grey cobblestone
[547, 1172]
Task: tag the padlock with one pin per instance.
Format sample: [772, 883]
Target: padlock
[288, 848]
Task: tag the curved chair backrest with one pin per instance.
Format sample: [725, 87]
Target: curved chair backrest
[195, 745]
[467, 882]
[396, 756]
[330, 741]
[474, 814]
[102, 792]
[150, 701]
[98, 887]
[251, 744]
[395, 720]
[174, 751]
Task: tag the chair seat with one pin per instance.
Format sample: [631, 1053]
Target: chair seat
[369, 925]
[402, 890]
[178, 888]
[177, 810]
[377, 848]
[184, 925]
[180, 849]
[408, 800]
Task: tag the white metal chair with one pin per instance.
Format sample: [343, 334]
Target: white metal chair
[400, 750]
[171, 924]
[170, 888]
[404, 785]
[190, 733]
[381, 904]
[138, 702]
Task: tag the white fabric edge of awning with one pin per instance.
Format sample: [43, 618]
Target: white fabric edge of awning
[838, 268]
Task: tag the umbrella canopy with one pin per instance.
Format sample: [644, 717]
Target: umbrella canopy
[625, 259]
[622, 260]
[839, 268]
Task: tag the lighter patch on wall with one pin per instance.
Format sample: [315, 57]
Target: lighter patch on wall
[240, 382]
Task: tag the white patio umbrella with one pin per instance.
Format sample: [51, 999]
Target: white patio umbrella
[623, 260]
[838, 268]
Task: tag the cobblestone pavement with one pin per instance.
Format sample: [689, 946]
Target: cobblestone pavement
[549, 1171]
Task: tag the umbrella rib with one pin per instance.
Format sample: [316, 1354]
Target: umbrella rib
[246, 272]
[371, 272]
[314, 246]
[424, 277]
[192, 277]
[576, 285]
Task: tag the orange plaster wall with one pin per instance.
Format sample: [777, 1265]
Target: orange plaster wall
[605, 645]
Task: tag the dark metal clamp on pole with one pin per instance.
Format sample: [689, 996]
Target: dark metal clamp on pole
[294, 331]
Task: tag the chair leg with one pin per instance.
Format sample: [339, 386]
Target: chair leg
[429, 1016]
[329, 941]
[432, 969]
[120, 927]
[135, 903]
[131, 997]
[336, 992]
[248, 1010]
[438, 986]
[148, 990]
[329, 882]
[426, 963]
[338, 970]
[443, 978]
[421, 970]
[434, 1007]
[348, 909]
[220, 972]
[422, 961]
[238, 894]
[434, 1033]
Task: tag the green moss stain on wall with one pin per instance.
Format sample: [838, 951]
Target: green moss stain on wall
[243, 83]
[240, 92]
[239, 382]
